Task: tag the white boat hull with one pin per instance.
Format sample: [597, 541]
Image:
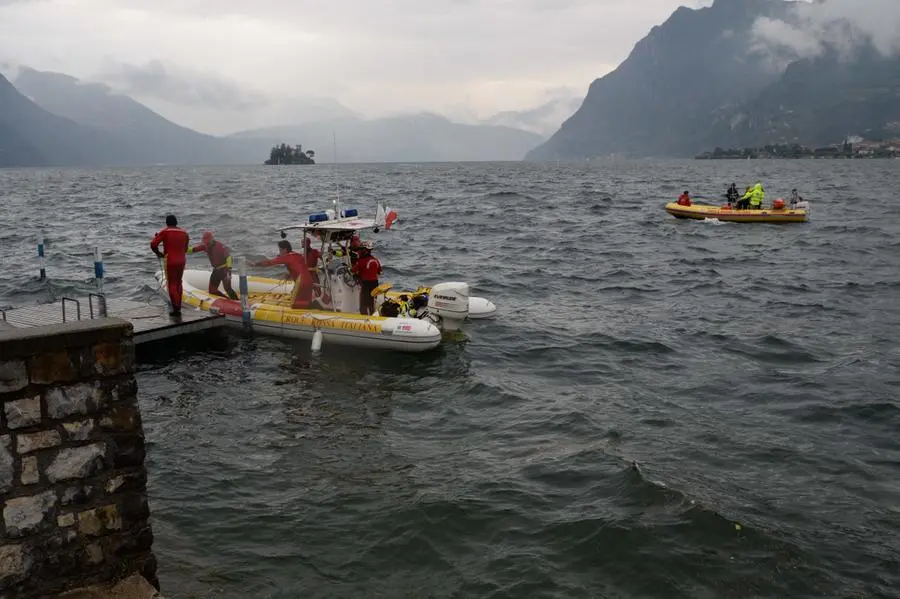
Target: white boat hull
[337, 328]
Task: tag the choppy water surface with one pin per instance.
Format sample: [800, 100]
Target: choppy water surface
[750, 371]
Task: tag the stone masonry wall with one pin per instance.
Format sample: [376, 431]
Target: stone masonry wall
[72, 478]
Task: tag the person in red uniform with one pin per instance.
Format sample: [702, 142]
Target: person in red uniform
[353, 248]
[684, 199]
[297, 272]
[368, 268]
[175, 242]
[311, 255]
[220, 259]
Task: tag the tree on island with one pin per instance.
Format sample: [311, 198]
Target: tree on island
[285, 154]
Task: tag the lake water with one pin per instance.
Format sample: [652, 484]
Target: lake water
[660, 408]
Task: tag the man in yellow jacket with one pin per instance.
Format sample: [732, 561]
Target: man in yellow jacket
[754, 196]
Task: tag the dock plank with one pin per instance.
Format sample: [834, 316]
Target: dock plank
[151, 322]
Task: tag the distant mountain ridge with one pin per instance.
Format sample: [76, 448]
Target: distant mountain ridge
[695, 64]
[820, 101]
[699, 81]
[149, 137]
[53, 119]
[422, 137]
[543, 120]
[35, 136]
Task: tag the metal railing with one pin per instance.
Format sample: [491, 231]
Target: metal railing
[101, 305]
[77, 308]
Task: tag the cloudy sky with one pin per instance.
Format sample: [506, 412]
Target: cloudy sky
[203, 62]
[224, 65]
[841, 24]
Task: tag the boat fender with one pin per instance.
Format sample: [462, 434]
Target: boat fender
[317, 341]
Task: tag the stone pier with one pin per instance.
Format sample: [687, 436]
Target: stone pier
[72, 478]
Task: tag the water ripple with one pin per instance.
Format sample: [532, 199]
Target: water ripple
[661, 409]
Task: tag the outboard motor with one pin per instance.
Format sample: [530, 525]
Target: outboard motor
[449, 301]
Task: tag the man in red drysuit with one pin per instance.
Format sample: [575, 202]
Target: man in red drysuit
[175, 242]
[368, 268]
[220, 259]
[297, 272]
[312, 256]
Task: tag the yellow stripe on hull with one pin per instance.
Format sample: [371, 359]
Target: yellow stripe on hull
[765, 215]
[276, 308]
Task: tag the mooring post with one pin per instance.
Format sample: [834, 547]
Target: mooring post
[40, 244]
[98, 269]
[243, 288]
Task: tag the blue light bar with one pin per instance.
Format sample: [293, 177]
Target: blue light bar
[349, 212]
[318, 217]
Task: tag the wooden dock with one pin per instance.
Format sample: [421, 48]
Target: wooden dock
[150, 322]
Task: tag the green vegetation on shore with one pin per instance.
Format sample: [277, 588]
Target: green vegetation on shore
[285, 154]
[846, 149]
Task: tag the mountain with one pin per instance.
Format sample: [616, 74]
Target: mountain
[819, 101]
[14, 150]
[411, 138]
[31, 135]
[65, 121]
[147, 137]
[660, 100]
[543, 120]
[221, 121]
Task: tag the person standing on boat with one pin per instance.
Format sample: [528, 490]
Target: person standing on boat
[175, 244]
[684, 199]
[220, 259]
[311, 255]
[353, 248]
[795, 197]
[297, 272]
[367, 268]
[732, 194]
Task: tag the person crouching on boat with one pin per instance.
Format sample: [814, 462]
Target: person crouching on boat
[756, 197]
[220, 259]
[175, 242]
[795, 198]
[744, 202]
[367, 268]
[297, 271]
[684, 199]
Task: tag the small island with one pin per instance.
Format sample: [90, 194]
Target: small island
[849, 148]
[285, 154]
